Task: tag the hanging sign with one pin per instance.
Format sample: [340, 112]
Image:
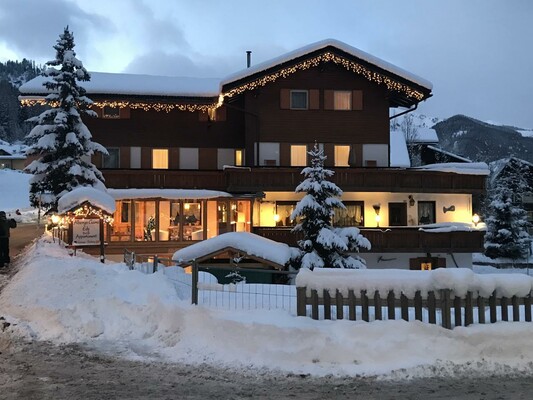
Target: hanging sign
[86, 231]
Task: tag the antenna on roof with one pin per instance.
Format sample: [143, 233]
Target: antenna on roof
[248, 58]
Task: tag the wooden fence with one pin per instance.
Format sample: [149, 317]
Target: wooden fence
[466, 311]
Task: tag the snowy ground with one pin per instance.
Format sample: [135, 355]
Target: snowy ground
[68, 299]
[77, 300]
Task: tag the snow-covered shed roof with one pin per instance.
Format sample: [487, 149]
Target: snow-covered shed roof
[478, 168]
[399, 156]
[451, 155]
[426, 135]
[247, 243]
[353, 51]
[82, 194]
[141, 85]
[172, 194]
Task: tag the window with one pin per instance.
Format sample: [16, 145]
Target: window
[342, 100]
[121, 228]
[299, 100]
[160, 158]
[426, 212]
[353, 215]
[268, 154]
[239, 158]
[112, 159]
[111, 112]
[298, 155]
[188, 158]
[135, 157]
[145, 223]
[284, 210]
[342, 156]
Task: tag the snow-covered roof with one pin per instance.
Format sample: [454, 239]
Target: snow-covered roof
[353, 51]
[425, 135]
[399, 156]
[152, 85]
[15, 151]
[439, 150]
[174, 194]
[479, 168]
[249, 243]
[82, 194]
[452, 227]
[132, 84]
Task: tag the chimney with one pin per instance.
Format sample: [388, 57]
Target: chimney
[248, 58]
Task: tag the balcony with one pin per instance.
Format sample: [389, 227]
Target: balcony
[399, 240]
[286, 179]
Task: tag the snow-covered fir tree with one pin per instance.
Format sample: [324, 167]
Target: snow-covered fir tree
[60, 138]
[324, 245]
[507, 224]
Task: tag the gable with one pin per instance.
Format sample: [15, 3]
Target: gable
[405, 89]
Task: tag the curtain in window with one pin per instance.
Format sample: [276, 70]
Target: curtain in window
[299, 156]
[160, 158]
[426, 212]
[342, 154]
[342, 100]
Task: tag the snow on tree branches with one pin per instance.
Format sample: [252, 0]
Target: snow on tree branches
[60, 138]
[322, 244]
[507, 224]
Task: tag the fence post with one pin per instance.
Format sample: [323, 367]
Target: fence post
[364, 306]
[469, 309]
[432, 308]
[314, 304]
[194, 282]
[377, 306]
[391, 305]
[492, 305]
[505, 310]
[527, 307]
[156, 262]
[445, 305]
[480, 309]
[418, 305]
[404, 304]
[516, 309]
[327, 304]
[340, 304]
[351, 305]
[457, 311]
[301, 301]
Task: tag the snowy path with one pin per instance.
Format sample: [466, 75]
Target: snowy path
[40, 370]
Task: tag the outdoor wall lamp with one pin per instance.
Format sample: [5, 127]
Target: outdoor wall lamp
[411, 201]
[446, 209]
[475, 219]
[55, 219]
[377, 208]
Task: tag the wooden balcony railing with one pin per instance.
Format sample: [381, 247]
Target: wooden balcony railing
[399, 240]
[286, 179]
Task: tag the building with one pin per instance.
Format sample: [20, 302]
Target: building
[190, 158]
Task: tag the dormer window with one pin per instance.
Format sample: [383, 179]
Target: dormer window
[111, 112]
[299, 100]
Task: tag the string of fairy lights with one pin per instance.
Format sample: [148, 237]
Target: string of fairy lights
[326, 57]
[83, 212]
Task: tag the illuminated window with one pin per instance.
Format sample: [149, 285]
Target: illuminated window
[239, 158]
[111, 112]
[342, 156]
[351, 215]
[299, 100]
[298, 155]
[160, 158]
[342, 100]
[212, 114]
[426, 212]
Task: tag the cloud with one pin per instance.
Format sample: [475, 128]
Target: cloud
[31, 27]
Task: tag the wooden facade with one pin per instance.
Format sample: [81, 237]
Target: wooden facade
[346, 103]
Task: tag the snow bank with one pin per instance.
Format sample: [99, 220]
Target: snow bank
[108, 307]
[460, 280]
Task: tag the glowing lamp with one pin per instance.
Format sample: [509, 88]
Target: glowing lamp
[475, 219]
[55, 219]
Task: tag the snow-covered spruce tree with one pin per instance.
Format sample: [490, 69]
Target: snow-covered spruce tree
[60, 138]
[507, 225]
[322, 244]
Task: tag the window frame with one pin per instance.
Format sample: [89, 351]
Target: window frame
[107, 157]
[298, 91]
[112, 115]
[157, 150]
[335, 106]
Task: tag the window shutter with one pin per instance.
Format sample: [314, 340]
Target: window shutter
[314, 99]
[357, 100]
[174, 158]
[221, 113]
[329, 152]
[124, 157]
[202, 116]
[328, 100]
[285, 99]
[124, 113]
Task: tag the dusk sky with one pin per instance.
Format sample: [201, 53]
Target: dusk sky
[477, 53]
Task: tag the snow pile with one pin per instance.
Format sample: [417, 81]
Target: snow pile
[108, 307]
[81, 194]
[460, 280]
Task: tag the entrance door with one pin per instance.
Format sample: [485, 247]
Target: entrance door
[397, 214]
